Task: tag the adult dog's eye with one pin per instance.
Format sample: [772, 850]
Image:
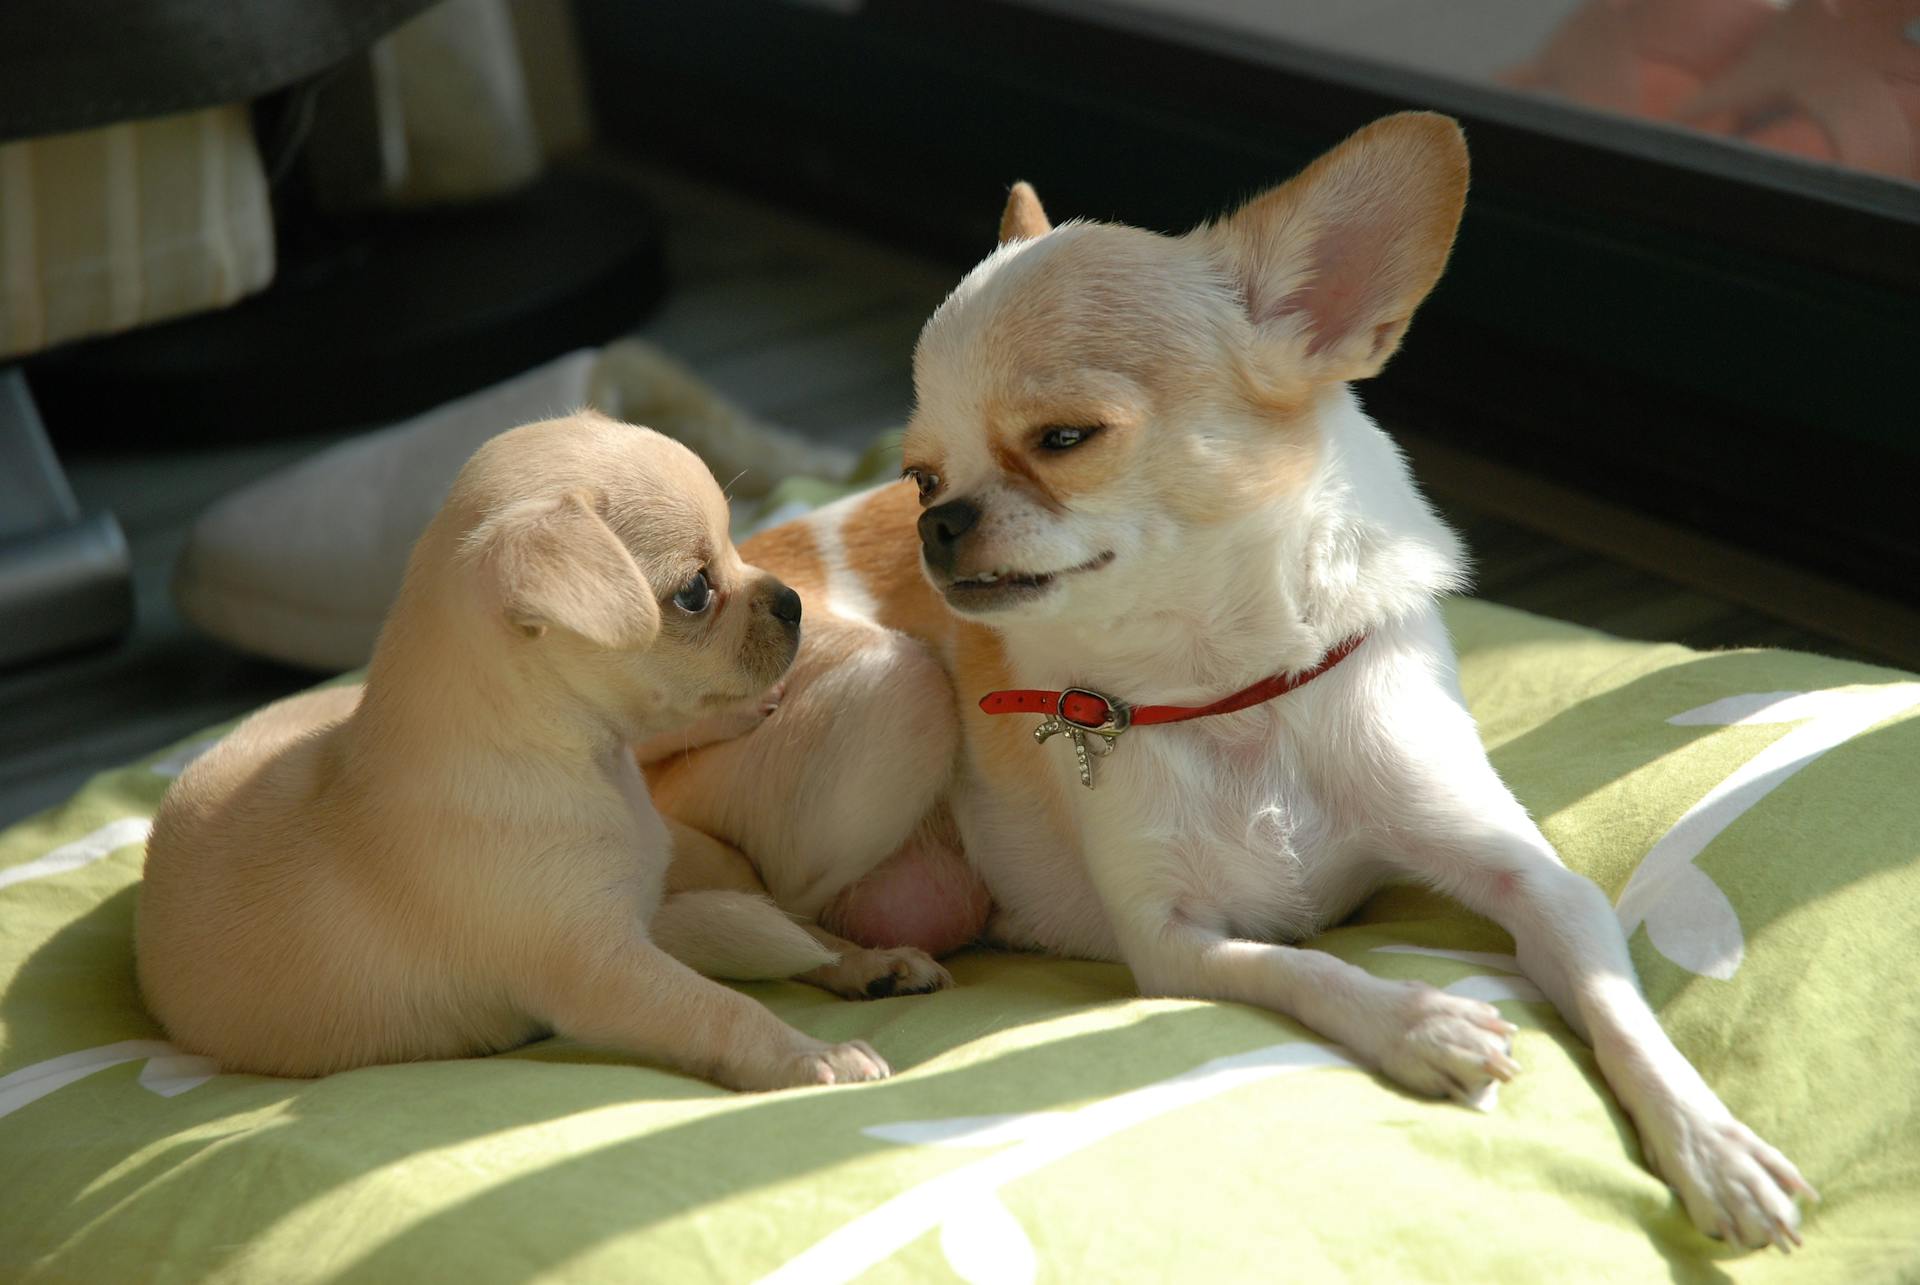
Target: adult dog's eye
[1065, 439]
[695, 596]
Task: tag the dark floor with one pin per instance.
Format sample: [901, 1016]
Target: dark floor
[804, 325]
[1522, 568]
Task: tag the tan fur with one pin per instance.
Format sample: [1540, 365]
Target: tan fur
[880, 542]
[702, 863]
[1335, 202]
[792, 546]
[462, 855]
[1023, 216]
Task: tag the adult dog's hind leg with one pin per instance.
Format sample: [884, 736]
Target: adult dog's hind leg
[704, 867]
[838, 779]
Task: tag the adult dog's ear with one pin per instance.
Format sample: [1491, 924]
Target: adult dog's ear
[556, 564]
[1333, 262]
[1023, 218]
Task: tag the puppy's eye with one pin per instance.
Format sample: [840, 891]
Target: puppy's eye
[927, 482]
[1066, 438]
[695, 596]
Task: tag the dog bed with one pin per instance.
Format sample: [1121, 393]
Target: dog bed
[1754, 814]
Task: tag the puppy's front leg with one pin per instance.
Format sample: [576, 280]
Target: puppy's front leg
[726, 725]
[1429, 1041]
[1457, 826]
[626, 993]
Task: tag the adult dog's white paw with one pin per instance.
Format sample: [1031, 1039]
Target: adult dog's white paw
[1733, 1184]
[1446, 1046]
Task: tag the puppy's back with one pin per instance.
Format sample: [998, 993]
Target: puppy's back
[259, 939]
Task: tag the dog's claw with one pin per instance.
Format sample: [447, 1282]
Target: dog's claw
[771, 698]
[1733, 1185]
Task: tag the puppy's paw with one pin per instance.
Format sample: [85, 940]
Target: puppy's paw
[854, 1062]
[769, 701]
[740, 719]
[807, 1063]
[1446, 1046]
[1734, 1186]
[728, 724]
[881, 974]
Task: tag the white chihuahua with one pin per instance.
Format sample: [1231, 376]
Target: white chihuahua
[1150, 512]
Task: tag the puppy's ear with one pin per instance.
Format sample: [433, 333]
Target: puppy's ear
[555, 563]
[1333, 263]
[1023, 218]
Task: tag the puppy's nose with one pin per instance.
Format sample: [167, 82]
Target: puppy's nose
[941, 528]
[785, 606]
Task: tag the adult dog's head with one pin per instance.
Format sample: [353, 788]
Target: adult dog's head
[1093, 395]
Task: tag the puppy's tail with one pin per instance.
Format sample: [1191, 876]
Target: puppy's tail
[738, 936]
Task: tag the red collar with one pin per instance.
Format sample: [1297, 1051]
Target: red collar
[1078, 711]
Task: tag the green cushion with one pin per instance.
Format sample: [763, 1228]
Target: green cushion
[1044, 1123]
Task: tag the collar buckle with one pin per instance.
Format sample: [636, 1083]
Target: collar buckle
[1090, 711]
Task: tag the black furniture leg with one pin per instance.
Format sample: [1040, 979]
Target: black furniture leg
[65, 579]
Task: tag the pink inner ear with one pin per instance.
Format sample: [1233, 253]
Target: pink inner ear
[1344, 290]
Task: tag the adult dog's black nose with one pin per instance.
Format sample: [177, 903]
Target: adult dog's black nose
[785, 606]
[941, 528]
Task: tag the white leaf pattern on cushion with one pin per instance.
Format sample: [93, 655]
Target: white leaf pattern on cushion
[105, 841]
[986, 1245]
[1688, 918]
[176, 1071]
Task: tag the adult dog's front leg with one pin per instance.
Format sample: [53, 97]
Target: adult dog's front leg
[1459, 828]
[1425, 1039]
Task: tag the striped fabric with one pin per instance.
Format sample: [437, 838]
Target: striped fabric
[106, 229]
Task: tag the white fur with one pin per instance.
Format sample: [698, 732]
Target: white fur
[1233, 515]
[848, 595]
[1205, 843]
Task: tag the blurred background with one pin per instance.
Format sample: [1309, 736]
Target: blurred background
[1668, 387]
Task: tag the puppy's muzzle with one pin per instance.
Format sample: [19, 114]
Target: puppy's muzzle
[773, 636]
[941, 529]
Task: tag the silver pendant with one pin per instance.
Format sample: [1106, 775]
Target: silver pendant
[1090, 740]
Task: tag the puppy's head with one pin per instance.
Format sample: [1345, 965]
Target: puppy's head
[1091, 395]
[599, 555]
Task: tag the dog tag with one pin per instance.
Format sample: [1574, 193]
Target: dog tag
[1113, 719]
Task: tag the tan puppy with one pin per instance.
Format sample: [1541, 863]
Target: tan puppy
[462, 854]
[1137, 468]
